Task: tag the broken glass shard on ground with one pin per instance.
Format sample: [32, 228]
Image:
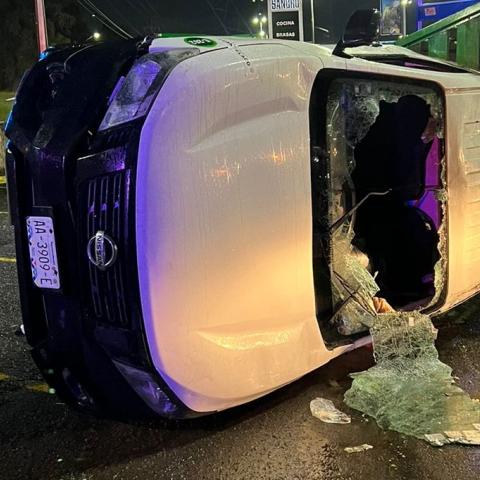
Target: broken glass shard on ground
[409, 390]
[325, 410]
[360, 448]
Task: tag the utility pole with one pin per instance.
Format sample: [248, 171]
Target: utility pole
[41, 24]
[312, 11]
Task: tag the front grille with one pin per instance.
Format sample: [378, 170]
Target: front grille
[107, 202]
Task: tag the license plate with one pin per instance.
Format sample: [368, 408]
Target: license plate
[43, 252]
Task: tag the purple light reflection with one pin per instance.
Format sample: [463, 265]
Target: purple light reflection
[429, 203]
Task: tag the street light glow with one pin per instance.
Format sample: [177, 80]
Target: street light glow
[259, 21]
[96, 36]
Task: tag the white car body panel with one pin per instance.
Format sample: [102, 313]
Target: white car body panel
[224, 220]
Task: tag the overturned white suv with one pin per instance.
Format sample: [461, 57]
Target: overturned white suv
[200, 221]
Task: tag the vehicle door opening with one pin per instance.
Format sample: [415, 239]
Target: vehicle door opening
[378, 184]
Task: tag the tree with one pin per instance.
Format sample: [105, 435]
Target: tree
[66, 22]
[17, 41]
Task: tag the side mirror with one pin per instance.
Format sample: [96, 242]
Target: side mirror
[363, 28]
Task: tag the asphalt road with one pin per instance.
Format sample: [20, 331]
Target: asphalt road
[273, 438]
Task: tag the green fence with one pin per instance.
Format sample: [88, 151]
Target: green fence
[455, 38]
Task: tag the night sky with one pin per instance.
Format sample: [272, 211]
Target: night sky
[74, 21]
[197, 16]
[186, 16]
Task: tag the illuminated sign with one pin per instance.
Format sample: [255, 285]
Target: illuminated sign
[282, 5]
[285, 19]
[431, 11]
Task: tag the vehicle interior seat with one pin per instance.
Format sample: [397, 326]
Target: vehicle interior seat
[400, 239]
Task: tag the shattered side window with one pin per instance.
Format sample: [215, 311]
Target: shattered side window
[353, 286]
[353, 109]
[386, 211]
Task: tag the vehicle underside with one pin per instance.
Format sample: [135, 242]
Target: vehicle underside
[378, 231]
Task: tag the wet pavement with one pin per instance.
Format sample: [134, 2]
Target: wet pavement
[273, 438]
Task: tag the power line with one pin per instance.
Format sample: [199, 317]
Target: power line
[148, 13]
[157, 16]
[125, 20]
[227, 14]
[149, 10]
[88, 2]
[103, 22]
[217, 16]
[153, 8]
[104, 19]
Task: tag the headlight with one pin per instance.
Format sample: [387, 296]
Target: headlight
[134, 94]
